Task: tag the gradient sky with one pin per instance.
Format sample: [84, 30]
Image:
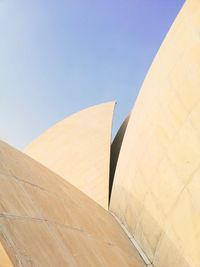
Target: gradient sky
[58, 57]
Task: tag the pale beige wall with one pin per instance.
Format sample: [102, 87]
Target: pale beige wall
[78, 149]
[156, 191]
[4, 258]
[45, 221]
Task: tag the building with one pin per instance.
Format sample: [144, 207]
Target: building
[72, 199]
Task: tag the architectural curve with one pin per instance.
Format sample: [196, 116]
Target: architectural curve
[156, 185]
[78, 149]
[115, 150]
[45, 221]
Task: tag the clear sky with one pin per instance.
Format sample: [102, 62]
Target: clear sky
[58, 57]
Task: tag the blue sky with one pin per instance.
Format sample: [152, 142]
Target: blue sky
[58, 57]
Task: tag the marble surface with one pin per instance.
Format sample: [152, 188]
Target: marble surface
[78, 149]
[45, 221]
[157, 180]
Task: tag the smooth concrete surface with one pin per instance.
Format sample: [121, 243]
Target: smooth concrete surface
[156, 191]
[45, 221]
[78, 149]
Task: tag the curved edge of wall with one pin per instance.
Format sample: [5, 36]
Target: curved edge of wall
[78, 149]
[115, 150]
[155, 191]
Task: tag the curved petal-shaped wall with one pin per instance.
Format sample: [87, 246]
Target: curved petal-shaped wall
[156, 191]
[78, 149]
[45, 221]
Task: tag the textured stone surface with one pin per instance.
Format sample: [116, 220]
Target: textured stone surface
[78, 149]
[157, 180]
[45, 221]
